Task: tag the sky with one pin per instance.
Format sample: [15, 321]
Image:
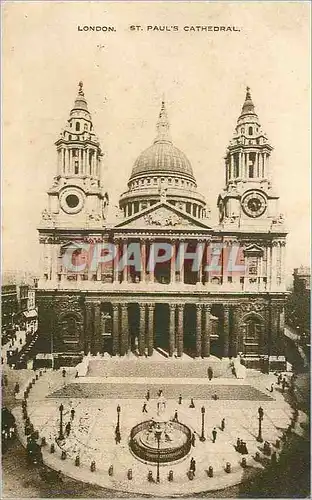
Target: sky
[202, 74]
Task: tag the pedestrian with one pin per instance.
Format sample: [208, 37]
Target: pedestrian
[192, 405]
[214, 435]
[175, 417]
[16, 388]
[279, 379]
[243, 448]
[67, 428]
[215, 396]
[63, 372]
[144, 410]
[193, 439]
[283, 384]
[272, 388]
[72, 413]
[223, 424]
[180, 399]
[117, 436]
[5, 380]
[210, 373]
[148, 395]
[193, 466]
[260, 412]
[160, 393]
[238, 445]
[76, 374]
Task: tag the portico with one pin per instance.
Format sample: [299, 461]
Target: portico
[173, 327]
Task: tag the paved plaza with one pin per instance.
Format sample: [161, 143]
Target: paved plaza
[92, 434]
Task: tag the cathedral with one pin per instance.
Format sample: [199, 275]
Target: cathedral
[231, 303]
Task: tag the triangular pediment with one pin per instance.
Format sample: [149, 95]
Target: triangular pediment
[253, 250]
[71, 245]
[162, 215]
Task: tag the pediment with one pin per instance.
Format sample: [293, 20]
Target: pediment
[253, 250]
[71, 245]
[162, 215]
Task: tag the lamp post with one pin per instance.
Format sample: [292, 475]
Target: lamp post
[260, 418]
[202, 437]
[158, 434]
[118, 416]
[61, 409]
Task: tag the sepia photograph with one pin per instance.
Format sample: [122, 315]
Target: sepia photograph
[155, 284]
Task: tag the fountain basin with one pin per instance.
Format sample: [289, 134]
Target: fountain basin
[174, 441]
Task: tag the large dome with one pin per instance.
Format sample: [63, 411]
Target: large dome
[162, 157]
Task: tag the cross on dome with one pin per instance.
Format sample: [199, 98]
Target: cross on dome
[81, 92]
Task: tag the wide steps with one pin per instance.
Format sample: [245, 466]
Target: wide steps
[146, 367]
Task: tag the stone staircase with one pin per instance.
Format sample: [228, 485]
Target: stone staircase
[168, 368]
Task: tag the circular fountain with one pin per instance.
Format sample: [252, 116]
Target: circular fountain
[160, 440]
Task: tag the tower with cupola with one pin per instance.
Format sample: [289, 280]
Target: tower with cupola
[77, 198]
[248, 201]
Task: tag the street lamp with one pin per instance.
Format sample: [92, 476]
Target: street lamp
[158, 434]
[118, 416]
[202, 437]
[61, 409]
[260, 417]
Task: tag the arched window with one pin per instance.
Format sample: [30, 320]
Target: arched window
[76, 167]
[77, 126]
[250, 130]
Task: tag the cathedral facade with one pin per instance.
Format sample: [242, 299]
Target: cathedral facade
[161, 277]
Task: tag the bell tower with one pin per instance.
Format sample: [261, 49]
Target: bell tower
[248, 200]
[76, 198]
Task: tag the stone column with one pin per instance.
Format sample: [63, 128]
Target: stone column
[181, 264]
[116, 262]
[142, 329]
[172, 262]
[171, 329]
[85, 162]
[234, 333]
[180, 330]
[124, 330]
[97, 343]
[80, 162]
[274, 265]
[198, 329]
[150, 329]
[151, 260]
[240, 164]
[124, 257]
[207, 331]
[231, 172]
[143, 260]
[200, 271]
[115, 322]
[88, 327]
[283, 264]
[226, 330]
[206, 263]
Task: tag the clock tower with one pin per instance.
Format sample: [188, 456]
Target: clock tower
[248, 201]
[76, 199]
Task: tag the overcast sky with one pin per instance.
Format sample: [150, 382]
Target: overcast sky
[125, 73]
